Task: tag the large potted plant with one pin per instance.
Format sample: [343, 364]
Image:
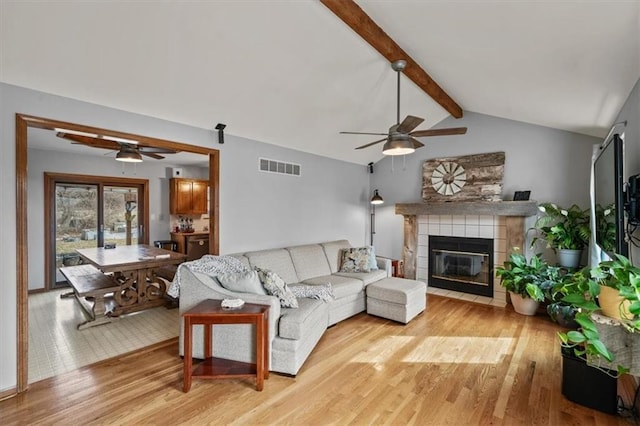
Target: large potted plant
[566, 231]
[590, 367]
[524, 280]
[624, 278]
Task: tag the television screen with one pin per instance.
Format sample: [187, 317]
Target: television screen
[607, 202]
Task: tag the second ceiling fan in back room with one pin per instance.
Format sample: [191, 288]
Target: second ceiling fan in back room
[400, 139]
[126, 150]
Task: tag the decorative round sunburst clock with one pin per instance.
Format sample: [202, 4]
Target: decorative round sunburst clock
[448, 178]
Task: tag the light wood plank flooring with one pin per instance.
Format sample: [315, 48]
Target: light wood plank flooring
[458, 363]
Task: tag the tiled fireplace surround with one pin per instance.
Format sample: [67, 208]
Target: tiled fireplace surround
[471, 226]
[501, 221]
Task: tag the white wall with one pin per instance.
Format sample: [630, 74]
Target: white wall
[257, 210]
[553, 164]
[41, 161]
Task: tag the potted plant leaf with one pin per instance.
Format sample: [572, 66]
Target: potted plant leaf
[524, 280]
[565, 283]
[566, 231]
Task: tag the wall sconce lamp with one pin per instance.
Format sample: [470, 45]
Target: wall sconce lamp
[375, 200]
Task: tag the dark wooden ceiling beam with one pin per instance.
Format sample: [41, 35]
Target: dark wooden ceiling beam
[352, 15]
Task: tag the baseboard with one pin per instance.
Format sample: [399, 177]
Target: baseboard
[8, 393]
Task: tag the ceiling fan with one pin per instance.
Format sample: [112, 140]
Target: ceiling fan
[126, 151]
[400, 138]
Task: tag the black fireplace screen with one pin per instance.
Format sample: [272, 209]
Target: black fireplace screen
[461, 264]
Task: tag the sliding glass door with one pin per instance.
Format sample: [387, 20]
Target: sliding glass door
[90, 211]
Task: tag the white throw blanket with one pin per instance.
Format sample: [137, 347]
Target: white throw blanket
[210, 265]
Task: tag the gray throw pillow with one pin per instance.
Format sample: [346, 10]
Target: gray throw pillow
[275, 286]
[356, 259]
[242, 282]
[322, 292]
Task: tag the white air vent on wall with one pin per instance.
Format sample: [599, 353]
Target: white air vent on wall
[275, 166]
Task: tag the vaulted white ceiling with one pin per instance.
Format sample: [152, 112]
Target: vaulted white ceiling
[291, 73]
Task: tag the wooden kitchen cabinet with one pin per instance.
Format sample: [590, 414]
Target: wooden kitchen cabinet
[188, 196]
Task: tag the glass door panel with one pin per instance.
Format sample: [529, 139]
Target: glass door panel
[120, 214]
[76, 223]
[92, 215]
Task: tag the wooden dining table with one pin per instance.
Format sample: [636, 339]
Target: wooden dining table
[135, 269]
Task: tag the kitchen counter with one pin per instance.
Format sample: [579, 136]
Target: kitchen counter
[193, 244]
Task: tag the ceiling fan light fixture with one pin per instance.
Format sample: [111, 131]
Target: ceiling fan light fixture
[129, 155]
[398, 145]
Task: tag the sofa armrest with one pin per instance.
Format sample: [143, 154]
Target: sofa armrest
[384, 263]
[196, 287]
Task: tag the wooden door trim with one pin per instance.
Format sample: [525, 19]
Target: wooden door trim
[23, 122]
[52, 178]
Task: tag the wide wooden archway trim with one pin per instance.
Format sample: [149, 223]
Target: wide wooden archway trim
[352, 15]
[23, 122]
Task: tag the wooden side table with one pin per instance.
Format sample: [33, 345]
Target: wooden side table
[210, 312]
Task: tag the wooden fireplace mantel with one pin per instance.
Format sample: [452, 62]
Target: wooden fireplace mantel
[514, 212]
[488, 208]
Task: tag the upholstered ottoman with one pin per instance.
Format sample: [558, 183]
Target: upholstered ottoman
[397, 299]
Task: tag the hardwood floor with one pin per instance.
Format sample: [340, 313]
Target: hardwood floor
[458, 363]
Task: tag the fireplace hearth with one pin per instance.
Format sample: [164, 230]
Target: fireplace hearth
[461, 264]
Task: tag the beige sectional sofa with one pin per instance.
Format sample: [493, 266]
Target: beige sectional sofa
[293, 332]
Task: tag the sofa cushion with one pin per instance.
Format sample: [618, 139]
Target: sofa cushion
[242, 282]
[276, 260]
[295, 323]
[366, 277]
[342, 286]
[333, 251]
[356, 259]
[309, 261]
[275, 286]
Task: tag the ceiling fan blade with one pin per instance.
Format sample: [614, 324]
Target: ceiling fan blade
[416, 143]
[372, 143]
[409, 123]
[152, 155]
[363, 133]
[439, 132]
[89, 141]
[154, 150]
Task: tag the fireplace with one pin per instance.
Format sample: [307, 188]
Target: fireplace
[461, 264]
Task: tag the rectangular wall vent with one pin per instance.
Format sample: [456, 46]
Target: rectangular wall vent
[275, 166]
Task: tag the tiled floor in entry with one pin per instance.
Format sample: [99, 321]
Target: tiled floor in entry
[57, 346]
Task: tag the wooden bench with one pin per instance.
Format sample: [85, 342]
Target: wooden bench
[90, 288]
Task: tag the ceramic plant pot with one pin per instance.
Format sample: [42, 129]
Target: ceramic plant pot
[569, 258]
[613, 305]
[524, 305]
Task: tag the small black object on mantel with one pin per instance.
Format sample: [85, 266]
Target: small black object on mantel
[521, 195]
[220, 128]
